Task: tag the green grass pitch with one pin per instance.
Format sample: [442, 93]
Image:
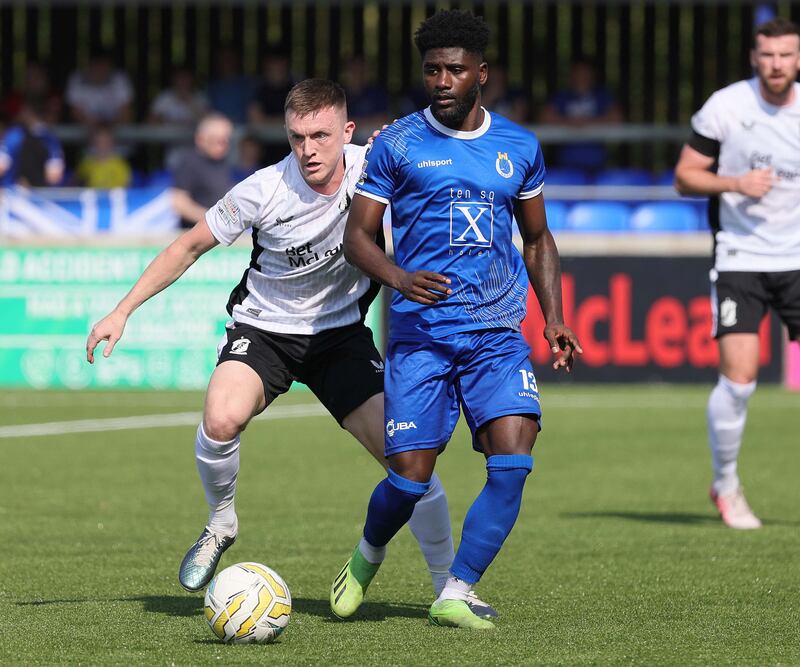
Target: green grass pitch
[617, 558]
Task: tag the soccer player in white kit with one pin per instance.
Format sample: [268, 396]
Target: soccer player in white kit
[297, 314]
[745, 155]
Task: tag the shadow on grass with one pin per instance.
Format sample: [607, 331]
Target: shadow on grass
[172, 605]
[368, 611]
[667, 517]
[649, 517]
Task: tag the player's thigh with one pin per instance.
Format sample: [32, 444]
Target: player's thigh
[365, 423]
[346, 374]
[785, 289]
[499, 393]
[250, 373]
[739, 302]
[738, 356]
[420, 404]
[513, 434]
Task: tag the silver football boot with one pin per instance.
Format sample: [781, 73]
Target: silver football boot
[200, 562]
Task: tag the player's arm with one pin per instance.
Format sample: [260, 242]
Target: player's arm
[164, 270]
[361, 250]
[693, 175]
[543, 264]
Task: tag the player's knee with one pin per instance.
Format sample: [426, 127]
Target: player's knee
[222, 426]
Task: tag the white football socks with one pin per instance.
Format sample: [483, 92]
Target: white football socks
[218, 464]
[455, 589]
[430, 524]
[372, 554]
[727, 414]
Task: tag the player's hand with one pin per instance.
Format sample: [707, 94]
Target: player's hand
[374, 135]
[424, 287]
[564, 343]
[756, 183]
[110, 329]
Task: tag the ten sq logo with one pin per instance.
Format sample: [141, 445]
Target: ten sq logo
[471, 223]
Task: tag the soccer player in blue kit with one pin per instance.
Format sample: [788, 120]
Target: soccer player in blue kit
[455, 175]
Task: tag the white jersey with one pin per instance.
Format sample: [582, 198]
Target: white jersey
[298, 281]
[755, 234]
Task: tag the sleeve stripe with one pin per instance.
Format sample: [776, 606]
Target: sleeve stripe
[704, 145]
[369, 195]
[530, 194]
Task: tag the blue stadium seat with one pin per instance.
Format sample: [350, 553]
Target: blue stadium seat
[598, 216]
[556, 215]
[666, 177]
[670, 216]
[162, 178]
[565, 176]
[624, 177]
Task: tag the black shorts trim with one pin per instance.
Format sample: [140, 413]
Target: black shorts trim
[341, 366]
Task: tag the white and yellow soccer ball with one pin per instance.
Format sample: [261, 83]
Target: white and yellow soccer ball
[246, 603]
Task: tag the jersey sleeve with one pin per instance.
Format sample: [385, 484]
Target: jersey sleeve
[236, 212]
[534, 179]
[378, 174]
[708, 121]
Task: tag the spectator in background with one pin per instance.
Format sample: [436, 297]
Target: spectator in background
[100, 93]
[229, 93]
[270, 92]
[367, 100]
[271, 88]
[37, 89]
[249, 158]
[181, 103]
[510, 102]
[582, 104]
[201, 175]
[30, 154]
[103, 167]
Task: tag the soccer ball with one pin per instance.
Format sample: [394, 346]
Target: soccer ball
[248, 602]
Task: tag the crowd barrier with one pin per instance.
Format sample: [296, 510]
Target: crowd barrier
[639, 303]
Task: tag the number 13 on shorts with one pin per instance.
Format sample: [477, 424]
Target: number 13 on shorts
[528, 380]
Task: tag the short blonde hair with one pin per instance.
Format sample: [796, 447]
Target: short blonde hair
[312, 95]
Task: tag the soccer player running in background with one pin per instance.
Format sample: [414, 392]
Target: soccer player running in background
[297, 315]
[743, 153]
[454, 174]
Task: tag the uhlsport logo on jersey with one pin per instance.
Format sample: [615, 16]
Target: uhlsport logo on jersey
[392, 427]
[503, 165]
[240, 346]
[471, 223]
[727, 313]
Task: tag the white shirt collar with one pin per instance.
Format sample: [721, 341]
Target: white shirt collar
[460, 134]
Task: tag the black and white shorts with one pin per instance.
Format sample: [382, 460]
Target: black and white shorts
[341, 366]
[739, 300]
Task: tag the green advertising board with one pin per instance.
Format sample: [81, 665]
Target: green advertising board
[50, 297]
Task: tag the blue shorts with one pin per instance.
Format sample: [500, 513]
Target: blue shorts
[488, 373]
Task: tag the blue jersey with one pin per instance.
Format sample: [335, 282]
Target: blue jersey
[452, 195]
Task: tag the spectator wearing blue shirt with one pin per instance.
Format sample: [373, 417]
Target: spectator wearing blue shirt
[230, 92]
[30, 154]
[583, 103]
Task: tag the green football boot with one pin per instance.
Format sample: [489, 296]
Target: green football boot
[347, 591]
[200, 562]
[456, 614]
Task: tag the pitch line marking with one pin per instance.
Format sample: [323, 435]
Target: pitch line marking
[146, 421]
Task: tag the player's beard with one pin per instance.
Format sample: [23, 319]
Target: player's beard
[455, 116]
[778, 89]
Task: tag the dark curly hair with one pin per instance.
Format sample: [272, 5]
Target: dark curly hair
[453, 29]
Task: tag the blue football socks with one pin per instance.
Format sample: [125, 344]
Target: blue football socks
[492, 515]
[391, 506]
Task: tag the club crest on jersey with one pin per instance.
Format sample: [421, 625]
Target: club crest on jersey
[344, 202]
[240, 346]
[727, 313]
[503, 165]
[471, 223]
